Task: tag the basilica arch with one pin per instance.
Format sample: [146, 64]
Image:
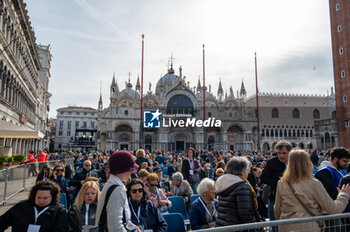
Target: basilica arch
[235, 137]
[124, 137]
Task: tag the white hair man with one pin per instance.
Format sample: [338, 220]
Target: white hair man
[203, 210]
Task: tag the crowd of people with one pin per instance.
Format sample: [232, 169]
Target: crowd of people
[129, 191]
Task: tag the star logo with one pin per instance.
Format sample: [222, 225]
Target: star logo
[156, 115]
[151, 119]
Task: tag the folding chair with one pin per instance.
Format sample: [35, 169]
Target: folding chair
[179, 206]
[175, 222]
[193, 198]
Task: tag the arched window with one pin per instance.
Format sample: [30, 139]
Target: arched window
[316, 114]
[275, 113]
[334, 114]
[296, 113]
[126, 112]
[209, 114]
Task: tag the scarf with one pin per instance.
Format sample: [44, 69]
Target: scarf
[210, 206]
[255, 199]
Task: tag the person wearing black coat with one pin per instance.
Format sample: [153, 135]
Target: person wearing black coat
[79, 177]
[83, 212]
[190, 169]
[172, 168]
[273, 172]
[43, 197]
[143, 212]
[237, 200]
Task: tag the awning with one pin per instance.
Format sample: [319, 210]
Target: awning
[10, 130]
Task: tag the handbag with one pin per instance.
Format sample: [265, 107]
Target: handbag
[102, 224]
[320, 223]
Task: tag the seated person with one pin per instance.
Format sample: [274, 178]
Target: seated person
[143, 175]
[83, 212]
[162, 184]
[156, 195]
[180, 187]
[203, 211]
[144, 213]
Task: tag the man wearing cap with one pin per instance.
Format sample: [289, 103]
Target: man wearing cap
[121, 165]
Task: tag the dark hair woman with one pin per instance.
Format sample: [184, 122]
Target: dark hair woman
[143, 212]
[41, 212]
[190, 169]
[44, 173]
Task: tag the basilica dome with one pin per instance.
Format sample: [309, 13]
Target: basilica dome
[128, 90]
[169, 80]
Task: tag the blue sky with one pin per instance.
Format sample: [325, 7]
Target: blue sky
[92, 39]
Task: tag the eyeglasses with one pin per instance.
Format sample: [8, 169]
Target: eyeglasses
[220, 172]
[87, 165]
[153, 185]
[140, 190]
[59, 170]
[90, 193]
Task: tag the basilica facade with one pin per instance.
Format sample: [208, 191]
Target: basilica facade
[290, 117]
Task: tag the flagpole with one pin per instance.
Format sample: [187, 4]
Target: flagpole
[141, 112]
[203, 83]
[204, 132]
[257, 100]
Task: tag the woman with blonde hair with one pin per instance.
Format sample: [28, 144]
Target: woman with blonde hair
[141, 158]
[83, 212]
[299, 194]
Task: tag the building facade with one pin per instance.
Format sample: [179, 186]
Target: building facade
[75, 128]
[307, 121]
[290, 117]
[24, 78]
[340, 30]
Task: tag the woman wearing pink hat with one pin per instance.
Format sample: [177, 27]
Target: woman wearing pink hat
[113, 202]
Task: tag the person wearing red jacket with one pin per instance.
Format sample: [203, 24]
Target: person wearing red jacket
[31, 164]
[41, 159]
[46, 157]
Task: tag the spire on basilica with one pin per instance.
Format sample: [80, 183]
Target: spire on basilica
[100, 103]
[138, 86]
[220, 91]
[114, 87]
[243, 93]
[199, 87]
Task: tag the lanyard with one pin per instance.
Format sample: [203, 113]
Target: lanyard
[87, 206]
[133, 212]
[38, 214]
[191, 164]
[206, 209]
[177, 190]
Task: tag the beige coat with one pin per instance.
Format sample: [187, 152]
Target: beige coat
[185, 190]
[312, 193]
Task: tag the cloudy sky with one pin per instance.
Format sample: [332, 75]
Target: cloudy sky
[92, 39]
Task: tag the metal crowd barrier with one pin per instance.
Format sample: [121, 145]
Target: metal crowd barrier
[329, 223]
[16, 179]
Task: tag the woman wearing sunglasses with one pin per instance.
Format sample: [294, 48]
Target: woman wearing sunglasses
[57, 176]
[83, 212]
[144, 213]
